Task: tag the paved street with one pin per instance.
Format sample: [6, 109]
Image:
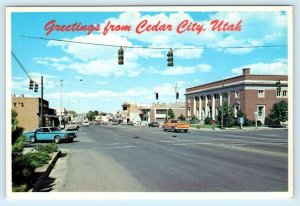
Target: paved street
[138, 158]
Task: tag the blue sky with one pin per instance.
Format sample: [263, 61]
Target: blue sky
[105, 85]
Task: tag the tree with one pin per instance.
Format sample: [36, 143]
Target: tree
[73, 113]
[228, 116]
[90, 115]
[171, 114]
[96, 113]
[181, 117]
[279, 112]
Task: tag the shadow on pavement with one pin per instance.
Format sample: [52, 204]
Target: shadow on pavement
[49, 182]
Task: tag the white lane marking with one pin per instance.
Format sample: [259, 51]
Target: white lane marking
[233, 147]
[165, 141]
[123, 147]
[113, 144]
[174, 141]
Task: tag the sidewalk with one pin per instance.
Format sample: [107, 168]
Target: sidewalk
[238, 129]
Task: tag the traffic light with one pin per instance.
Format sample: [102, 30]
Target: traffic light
[36, 87]
[121, 56]
[170, 58]
[31, 82]
[278, 85]
[177, 95]
[156, 95]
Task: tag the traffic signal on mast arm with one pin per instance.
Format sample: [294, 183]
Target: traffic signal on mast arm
[156, 95]
[278, 85]
[177, 95]
[121, 56]
[170, 58]
[36, 87]
[31, 83]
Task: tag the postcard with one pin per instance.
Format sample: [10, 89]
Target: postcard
[149, 102]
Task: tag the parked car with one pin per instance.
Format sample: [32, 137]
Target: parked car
[130, 123]
[97, 123]
[123, 123]
[85, 123]
[49, 134]
[105, 123]
[153, 124]
[71, 126]
[115, 123]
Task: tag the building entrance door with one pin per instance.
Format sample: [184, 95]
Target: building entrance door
[261, 113]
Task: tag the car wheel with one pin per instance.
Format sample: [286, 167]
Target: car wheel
[32, 139]
[185, 130]
[173, 129]
[164, 128]
[71, 140]
[57, 139]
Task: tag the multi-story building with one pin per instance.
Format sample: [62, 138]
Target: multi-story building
[154, 112]
[29, 109]
[252, 94]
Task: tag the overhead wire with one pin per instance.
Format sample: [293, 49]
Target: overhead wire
[150, 47]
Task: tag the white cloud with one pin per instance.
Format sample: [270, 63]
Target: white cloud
[275, 68]
[101, 82]
[179, 70]
[106, 68]
[137, 94]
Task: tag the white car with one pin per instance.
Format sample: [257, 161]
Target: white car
[71, 126]
[85, 123]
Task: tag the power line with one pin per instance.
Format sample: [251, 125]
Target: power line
[159, 48]
[21, 65]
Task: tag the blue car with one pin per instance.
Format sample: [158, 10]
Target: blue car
[50, 134]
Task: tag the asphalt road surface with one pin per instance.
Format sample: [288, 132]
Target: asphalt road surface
[119, 158]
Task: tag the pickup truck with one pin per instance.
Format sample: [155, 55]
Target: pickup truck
[49, 134]
[176, 125]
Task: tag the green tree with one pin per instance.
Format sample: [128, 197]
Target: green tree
[182, 117]
[90, 115]
[228, 116]
[279, 112]
[73, 113]
[171, 114]
[96, 113]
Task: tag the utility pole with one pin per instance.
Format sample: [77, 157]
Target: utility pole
[222, 114]
[42, 97]
[61, 85]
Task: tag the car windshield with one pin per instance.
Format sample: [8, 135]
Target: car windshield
[54, 129]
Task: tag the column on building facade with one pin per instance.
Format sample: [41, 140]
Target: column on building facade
[200, 108]
[221, 99]
[206, 107]
[213, 107]
[194, 106]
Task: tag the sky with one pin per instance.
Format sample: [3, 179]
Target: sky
[92, 78]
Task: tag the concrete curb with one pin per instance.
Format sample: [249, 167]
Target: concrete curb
[45, 174]
[237, 129]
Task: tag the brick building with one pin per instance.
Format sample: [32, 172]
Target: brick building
[247, 92]
[28, 109]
